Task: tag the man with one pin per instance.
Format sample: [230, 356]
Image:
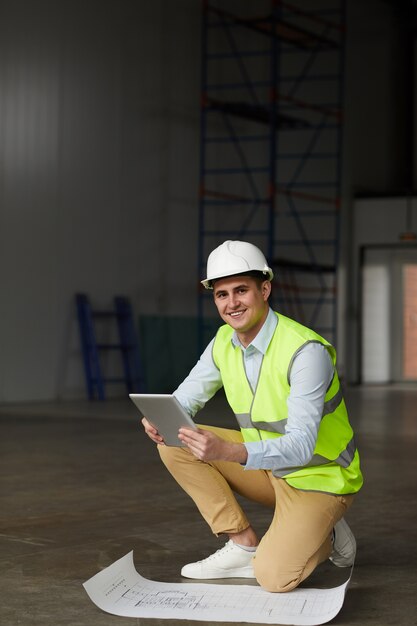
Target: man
[295, 450]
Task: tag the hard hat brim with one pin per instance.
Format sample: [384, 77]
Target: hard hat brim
[267, 273]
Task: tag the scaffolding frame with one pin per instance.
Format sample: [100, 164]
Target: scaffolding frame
[271, 148]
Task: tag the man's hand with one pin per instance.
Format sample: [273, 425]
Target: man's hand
[207, 446]
[152, 432]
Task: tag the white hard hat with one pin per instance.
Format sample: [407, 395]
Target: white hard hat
[235, 257]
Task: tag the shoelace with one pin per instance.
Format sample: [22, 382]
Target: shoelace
[227, 546]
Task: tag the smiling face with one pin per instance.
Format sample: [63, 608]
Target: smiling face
[242, 302]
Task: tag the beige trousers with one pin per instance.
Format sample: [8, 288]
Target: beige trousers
[299, 537]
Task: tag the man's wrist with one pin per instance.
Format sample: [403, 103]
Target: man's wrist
[237, 453]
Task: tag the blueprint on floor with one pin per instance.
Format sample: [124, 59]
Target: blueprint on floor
[121, 590]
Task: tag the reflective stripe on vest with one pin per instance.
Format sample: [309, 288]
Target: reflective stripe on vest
[344, 459]
[244, 419]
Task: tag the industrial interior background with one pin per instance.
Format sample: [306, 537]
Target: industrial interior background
[135, 136]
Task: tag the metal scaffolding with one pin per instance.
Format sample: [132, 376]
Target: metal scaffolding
[271, 147]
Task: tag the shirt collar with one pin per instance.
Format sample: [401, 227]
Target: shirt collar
[263, 338]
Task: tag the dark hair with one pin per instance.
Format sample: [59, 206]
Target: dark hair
[256, 274]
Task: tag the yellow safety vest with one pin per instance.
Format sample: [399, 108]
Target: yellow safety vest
[334, 467]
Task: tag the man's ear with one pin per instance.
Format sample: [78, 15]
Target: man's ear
[266, 289]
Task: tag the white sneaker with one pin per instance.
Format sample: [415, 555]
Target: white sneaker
[231, 561]
[344, 545]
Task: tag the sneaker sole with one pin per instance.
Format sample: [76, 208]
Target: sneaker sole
[243, 572]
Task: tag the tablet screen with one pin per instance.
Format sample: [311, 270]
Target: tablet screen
[165, 413]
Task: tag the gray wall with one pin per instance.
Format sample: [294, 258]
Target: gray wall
[99, 121]
[99, 108]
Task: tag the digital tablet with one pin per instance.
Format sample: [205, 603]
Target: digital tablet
[165, 413]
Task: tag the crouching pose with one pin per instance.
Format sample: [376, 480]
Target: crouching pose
[294, 451]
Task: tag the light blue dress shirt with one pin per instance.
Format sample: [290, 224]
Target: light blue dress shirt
[310, 377]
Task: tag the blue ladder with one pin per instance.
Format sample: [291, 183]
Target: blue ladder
[127, 345]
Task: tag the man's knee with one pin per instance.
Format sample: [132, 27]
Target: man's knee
[274, 578]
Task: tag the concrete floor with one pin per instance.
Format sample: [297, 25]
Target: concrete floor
[82, 486]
